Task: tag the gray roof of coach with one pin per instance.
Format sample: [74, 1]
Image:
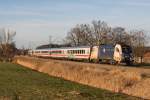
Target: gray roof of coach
[64, 48]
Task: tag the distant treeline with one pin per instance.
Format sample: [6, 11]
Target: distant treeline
[53, 46]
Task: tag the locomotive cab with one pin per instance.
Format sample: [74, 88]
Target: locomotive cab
[123, 53]
[127, 55]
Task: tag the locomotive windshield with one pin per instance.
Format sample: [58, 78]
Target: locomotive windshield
[127, 50]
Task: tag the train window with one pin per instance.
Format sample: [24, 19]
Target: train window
[37, 51]
[83, 51]
[53, 52]
[60, 52]
[68, 51]
[44, 51]
[75, 51]
[57, 52]
[78, 51]
[71, 52]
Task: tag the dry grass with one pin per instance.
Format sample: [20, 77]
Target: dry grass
[132, 81]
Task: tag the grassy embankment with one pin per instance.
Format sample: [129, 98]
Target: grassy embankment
[17, 82]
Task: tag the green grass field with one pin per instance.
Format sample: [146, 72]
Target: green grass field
[19, 83]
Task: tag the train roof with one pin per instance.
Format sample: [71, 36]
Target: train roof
[64, 48]
[75, 47]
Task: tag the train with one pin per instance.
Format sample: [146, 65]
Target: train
[105, 53]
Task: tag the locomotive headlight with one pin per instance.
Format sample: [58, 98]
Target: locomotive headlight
[125, 55]
[131, 57]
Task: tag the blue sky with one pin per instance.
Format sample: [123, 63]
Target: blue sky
[35, 20]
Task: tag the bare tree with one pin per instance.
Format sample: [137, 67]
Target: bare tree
[7, 44]
[138, 42]
[97, 33]
[80, 35]
[119, 35]
[101, 32]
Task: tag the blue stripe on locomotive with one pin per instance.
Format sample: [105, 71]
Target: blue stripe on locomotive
[106, 51]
